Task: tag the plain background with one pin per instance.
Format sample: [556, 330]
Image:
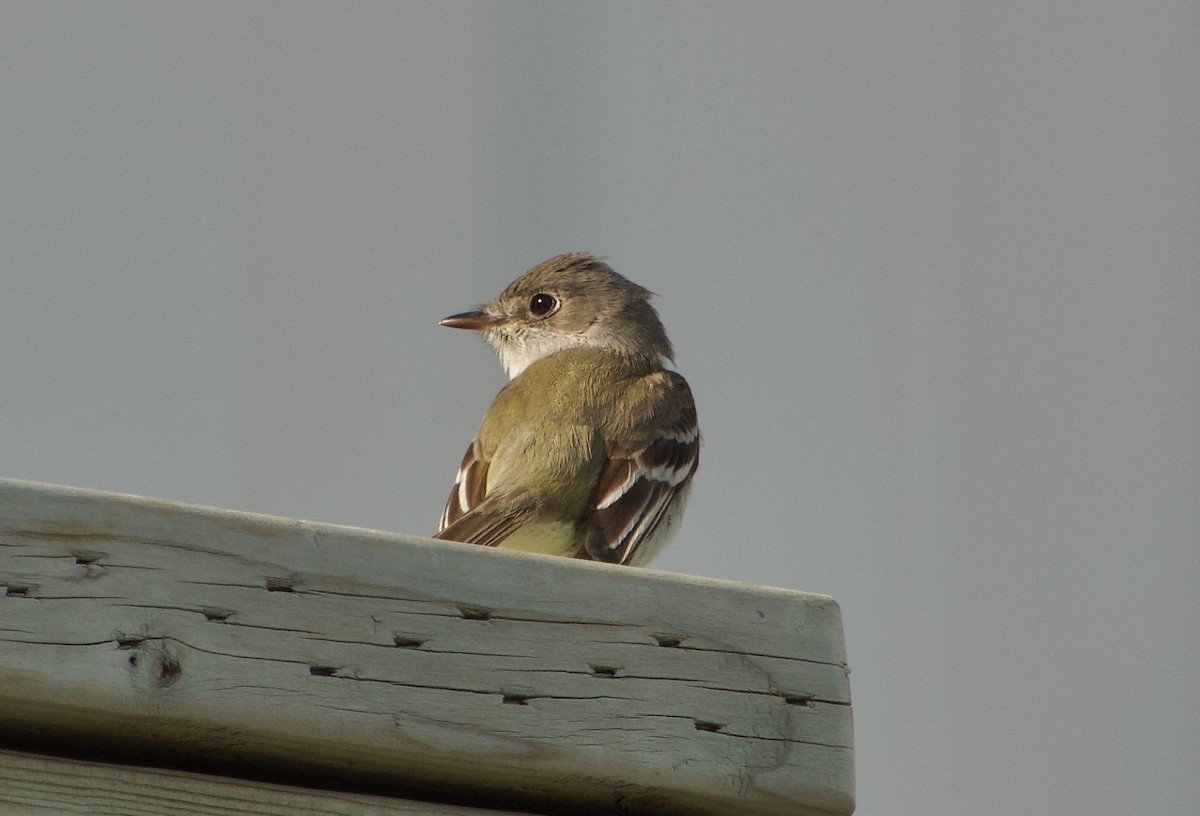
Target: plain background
[933, 272]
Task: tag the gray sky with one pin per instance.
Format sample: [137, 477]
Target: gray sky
[932, 271]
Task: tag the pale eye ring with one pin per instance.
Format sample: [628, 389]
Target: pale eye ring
[543, 304]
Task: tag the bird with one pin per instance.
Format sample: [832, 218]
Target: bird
[590, 449]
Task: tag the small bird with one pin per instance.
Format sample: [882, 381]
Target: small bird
[589, 450]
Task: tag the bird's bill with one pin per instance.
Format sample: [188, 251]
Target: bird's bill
[474, 320]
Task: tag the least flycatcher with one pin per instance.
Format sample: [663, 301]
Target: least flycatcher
[590, 448]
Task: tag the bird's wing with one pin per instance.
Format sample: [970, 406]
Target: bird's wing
[470, 486]
[473, 517]
[643, 484]
[500, 488]
[488, 524]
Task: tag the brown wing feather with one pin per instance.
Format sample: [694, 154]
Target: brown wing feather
[639, 484]
[470, 515]
[485, 526]
[470, 485]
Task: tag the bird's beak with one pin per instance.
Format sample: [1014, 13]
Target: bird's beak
[475, 320]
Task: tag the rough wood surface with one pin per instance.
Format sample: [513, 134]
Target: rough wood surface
[285, 650]
[33, 785]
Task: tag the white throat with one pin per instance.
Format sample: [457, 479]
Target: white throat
[518, 353]
[519, 350]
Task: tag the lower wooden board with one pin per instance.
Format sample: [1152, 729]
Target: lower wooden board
[285, 650]
[35, 785]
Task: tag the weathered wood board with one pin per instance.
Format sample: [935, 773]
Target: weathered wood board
[293, 651]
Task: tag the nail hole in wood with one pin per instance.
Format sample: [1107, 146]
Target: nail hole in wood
[701, 725]
[798, 700]
[280, 585]
[668, 641]
[322, 671]
[166, 671]
[403, 642]
[470, 613]
[604, 671]
[515, 699]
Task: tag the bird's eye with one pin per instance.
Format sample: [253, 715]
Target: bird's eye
[542, 304]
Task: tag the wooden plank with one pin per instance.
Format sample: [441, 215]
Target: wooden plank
[286, 649]
[33, 785]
